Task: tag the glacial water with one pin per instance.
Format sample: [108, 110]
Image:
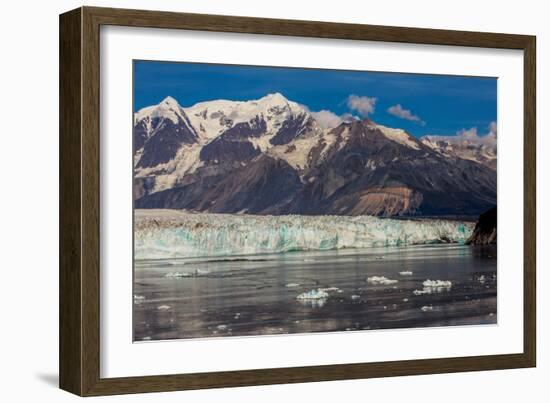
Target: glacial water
[315, 291]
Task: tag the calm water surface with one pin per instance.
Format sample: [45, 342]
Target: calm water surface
[257, 295]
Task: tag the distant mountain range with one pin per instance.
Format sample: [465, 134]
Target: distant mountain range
[270, 156]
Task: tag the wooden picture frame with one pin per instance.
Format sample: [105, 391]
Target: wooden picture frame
[79, 346]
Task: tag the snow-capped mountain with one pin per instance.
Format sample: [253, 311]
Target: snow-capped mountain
[467, 145]
[159, 131]
[270, 156]
[171, 142]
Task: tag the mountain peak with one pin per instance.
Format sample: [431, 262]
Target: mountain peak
[275, 98]
[169, 102]
[168, 108]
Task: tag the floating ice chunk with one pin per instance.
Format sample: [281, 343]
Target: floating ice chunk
[481, 279]
[146, 338]
[380, 280]
[434, 287]
[237, 315]
[317, 298]
[139, 297]
[313, 295]
[355, 296]
[405, 300]
[405, 273]
[427, 308]
[437, 283]
[221, 327]
[292, 285]
[163, 307]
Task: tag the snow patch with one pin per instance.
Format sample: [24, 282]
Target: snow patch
[399, 136]
[296, 153]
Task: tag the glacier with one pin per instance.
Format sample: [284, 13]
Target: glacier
[169, 234]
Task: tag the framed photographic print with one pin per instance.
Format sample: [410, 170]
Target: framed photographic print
[250, 201]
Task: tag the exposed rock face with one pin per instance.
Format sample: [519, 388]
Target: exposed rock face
[387, 201]
[485, 231]
[270, 156]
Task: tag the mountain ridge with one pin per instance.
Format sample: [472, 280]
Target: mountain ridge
[270, 156]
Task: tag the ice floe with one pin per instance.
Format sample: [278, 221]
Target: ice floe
[163, 307]
[437, 283]
[434, 287]
[406, 273]
[313, 295]
[427, 308]
[316, 298]
[380, 280]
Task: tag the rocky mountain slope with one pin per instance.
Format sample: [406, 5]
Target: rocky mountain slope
[467, 145]
[270, 156]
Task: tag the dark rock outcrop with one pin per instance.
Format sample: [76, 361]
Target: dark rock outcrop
[485, 231]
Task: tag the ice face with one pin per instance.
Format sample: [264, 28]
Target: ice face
[164, 234]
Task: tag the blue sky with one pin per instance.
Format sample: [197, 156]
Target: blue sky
[428, 104]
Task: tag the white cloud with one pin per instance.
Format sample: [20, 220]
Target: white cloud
[400, 112]
[361, 104]
[327, 119]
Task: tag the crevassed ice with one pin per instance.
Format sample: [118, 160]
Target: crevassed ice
[163, 234]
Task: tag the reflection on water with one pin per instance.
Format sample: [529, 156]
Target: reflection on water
[302, 292]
